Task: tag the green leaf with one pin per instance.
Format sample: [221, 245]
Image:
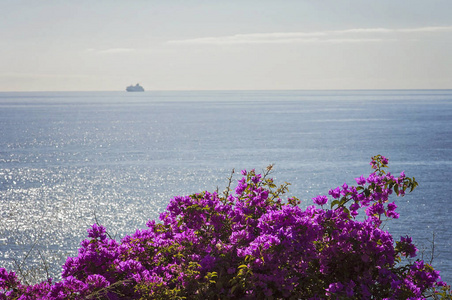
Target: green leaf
[335, 202]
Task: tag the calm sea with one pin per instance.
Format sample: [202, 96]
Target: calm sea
[68, 159]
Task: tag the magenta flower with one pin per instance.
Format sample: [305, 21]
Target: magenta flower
[320, 200]
[97, 231]
[335, 193]
[361, 180]
[253, 245]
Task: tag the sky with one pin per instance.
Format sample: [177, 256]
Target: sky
[102, 45]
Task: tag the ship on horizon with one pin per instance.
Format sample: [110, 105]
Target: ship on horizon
[135, 88]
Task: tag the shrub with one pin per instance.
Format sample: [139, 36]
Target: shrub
[248, 243]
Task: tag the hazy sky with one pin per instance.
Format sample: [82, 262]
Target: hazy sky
[71, 45]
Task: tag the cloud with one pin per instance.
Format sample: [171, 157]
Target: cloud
[356, 35]
[427, 29]
[116, 50]
[42, 76]
[431, 29]
[111, 50]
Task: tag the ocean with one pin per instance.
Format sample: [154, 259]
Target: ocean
[70, 159]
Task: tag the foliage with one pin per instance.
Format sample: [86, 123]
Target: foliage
[248, 243]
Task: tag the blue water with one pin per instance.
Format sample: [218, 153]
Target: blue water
[69, 158]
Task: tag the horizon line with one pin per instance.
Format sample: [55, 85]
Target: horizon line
[228, 90]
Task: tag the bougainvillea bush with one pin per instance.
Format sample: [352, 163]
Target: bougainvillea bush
[247, 243]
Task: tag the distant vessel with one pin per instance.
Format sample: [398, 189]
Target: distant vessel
[135, 88]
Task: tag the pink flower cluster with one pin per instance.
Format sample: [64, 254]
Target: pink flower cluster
[251, 245]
